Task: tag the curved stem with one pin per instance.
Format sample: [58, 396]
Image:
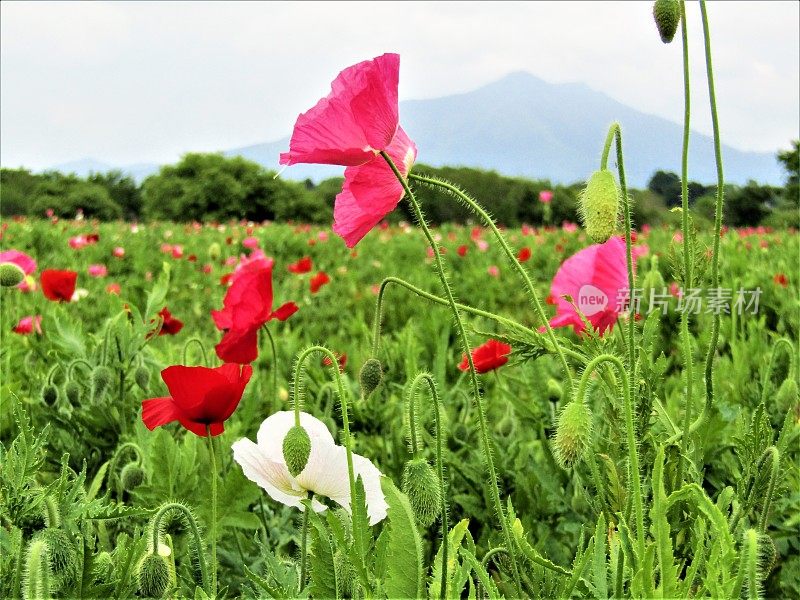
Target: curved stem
[473, 376]
[775, 455]
[75, 363]
[413, 424]
[479, 210]
[112, 465]
[189, 521]
[199, 343]
[213, 510]
[427, 378]
[687, 256]
[780, 343]
[274, 395]
[634, 480]
[297, 394]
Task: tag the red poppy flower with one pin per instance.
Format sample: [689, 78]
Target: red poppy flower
[524, 254]
[341, 358]
[301, 266]
[318, 280]
[199, 397]
[462, 251]
[114, 288]
[781, 279]
[489, 356]
[170, 325]
[58, 285]
[246, 307]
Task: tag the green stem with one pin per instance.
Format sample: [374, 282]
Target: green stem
[412, 422]
[274, 396]
[712, 347]
[199, 343]
[75, 363]
[634, 480]
[303, 542]
[427, 378]
[780, 343]
[775, 455]
[687, 255]
[476, 392]
[479, 210]
[615, 133]
[213, 510]
[112, 465]
[188, 520]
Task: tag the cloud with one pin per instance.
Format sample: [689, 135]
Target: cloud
[132, 82]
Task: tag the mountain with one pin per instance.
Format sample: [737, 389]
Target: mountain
[521, 125]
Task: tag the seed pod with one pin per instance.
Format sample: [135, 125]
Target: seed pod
[667, 14]
[101, 380]
[132, 476]
[72, 392]
[422, 487]
[370, 376]
[10, 275]
[63, 557]
[599, 206]
[50, 394]
[142, 378]
[573, 433]
[296, 449]
[153, 576]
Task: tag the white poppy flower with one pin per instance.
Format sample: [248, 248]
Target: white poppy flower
[325, 474]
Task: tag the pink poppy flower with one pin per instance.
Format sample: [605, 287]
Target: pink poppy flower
[250, 242]
[596, 279]
[358, 119]
[24, 262]
[371, 191]
[545, 196]
[98, 270]
[28, 325]
[114, 288]
[177, 251]
[493, 270]
[119, 252]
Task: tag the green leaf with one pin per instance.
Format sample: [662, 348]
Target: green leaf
[323, 582]
[454, 538]
[599, 572]
[158, 293]
[486, 581]
[404, 574]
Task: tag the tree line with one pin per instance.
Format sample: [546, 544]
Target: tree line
[212, 187]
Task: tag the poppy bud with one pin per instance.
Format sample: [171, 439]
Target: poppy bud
[283, 394]
[214, 251]
[599, 206]
[653, 280]
[50, 394]
[667, 14]
[573, 432]
[345, 575]
[153, 576]
[506, 426]
[787, 394]
[142, 378]
[10, 275]
[101, 379]
[296, 449]
[103, 564]
[132, 476]
[554, 390]
[72, 392]
[422, 487]
[62, 556]
[370, 376]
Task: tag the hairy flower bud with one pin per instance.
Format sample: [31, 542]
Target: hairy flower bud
[101, 380]
[573, 433]
[422, 487]
[599, 206]
[345, 575]
[787, 395]
[10, 275]
[62, 555]
[132, 476]
[554, 390]
[50, 394]
[72, 392]
[370, 376]
[667, 14]
[102, 567]
[142, 378]
[296, 449]
[153, 576]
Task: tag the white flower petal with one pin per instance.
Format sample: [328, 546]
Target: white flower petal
[326, 472]
[276, 426]
[371, 476]
[266, 473]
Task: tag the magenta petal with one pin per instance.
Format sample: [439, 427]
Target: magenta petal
[22, 260]
[355, 121]
[371, 191]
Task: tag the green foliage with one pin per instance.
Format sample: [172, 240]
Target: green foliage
[404, 569]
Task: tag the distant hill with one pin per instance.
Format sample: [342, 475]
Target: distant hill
[521, 125]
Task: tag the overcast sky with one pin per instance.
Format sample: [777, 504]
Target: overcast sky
[145, 82]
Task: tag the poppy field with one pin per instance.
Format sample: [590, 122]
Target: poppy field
[383, 409]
